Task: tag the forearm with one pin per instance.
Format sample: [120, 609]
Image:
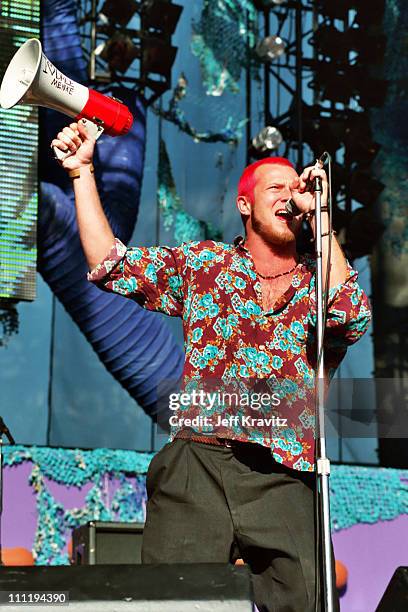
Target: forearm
[95, 232]
[304, 200]
[338, 263]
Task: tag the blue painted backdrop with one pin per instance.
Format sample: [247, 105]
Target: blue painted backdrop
[89, 408]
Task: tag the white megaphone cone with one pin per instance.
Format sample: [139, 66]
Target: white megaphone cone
[31, 78]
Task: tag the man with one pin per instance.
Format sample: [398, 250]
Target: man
[233, 481]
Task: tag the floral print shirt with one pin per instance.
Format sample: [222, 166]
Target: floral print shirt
[232, 344]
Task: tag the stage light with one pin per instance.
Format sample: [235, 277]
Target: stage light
[157, 56]
[161, 15]
[319, 132]
[370, 92]
[335, 10]
[370, 13]
[339, 83]
[337, 45]
[362, 151]
[360, 146]
[363, 232]
[270, 48]
[366, 12]
[268, 139]
[119, 11]
[364, 188]
[370, 47]
[119, 52]
[332, 82]
[328, 40]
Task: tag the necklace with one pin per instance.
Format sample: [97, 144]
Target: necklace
[276, 275]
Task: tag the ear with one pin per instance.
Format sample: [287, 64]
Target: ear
[244, 205]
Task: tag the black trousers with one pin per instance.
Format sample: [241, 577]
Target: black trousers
[214, 504]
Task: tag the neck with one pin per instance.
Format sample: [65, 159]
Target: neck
[271, 258]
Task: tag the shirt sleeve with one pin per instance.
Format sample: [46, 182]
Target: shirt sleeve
[152, 276]
[348, 312]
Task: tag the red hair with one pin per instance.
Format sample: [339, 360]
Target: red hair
[247, 181]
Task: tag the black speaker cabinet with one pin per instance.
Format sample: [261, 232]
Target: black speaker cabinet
[107, 543]
[204, 587]
[395, 598]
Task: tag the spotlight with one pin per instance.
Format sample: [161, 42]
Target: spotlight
[157, 56]
[337, 45]
[370, 47]
[334, 10]
[332, 82]
[270, 48]
[360, 151]
[268, 139]
[119, 11]
[321, 133]
[119, 52]
[364, 188]
[370, 92]
[161, 15]
[328, 40]
[360, 146]
[370, 13]
[363, 231]
[366, 12]
[339, 83]
[340, 177]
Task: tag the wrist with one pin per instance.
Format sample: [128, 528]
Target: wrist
[81, 171]
[310, 215]
[325, 222]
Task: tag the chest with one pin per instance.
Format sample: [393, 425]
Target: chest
[273, 289]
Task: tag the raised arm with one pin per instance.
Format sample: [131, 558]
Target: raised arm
[304, 200]
[95, 232]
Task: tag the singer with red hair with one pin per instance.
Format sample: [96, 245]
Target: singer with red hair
[237, 477]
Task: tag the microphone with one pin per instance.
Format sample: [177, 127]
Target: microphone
[292, 209]
[290, 206]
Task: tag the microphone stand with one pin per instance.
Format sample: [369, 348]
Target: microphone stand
[322, 461]
[3, 430]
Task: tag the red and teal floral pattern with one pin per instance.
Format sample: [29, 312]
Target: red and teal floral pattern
[231, 343]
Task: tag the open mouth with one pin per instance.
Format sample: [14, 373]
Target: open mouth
[283, 214]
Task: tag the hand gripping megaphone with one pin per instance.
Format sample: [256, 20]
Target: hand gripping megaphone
[31, 78]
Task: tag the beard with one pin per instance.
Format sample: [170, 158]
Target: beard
[273, 233]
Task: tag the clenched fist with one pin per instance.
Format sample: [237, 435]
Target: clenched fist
[75, 140]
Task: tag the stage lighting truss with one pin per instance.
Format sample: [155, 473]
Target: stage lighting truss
[319, 82]
[128, 42]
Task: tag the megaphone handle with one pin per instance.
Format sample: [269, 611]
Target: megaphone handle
[93, 130]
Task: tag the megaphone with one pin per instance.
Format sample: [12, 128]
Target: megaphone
[31, 78]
